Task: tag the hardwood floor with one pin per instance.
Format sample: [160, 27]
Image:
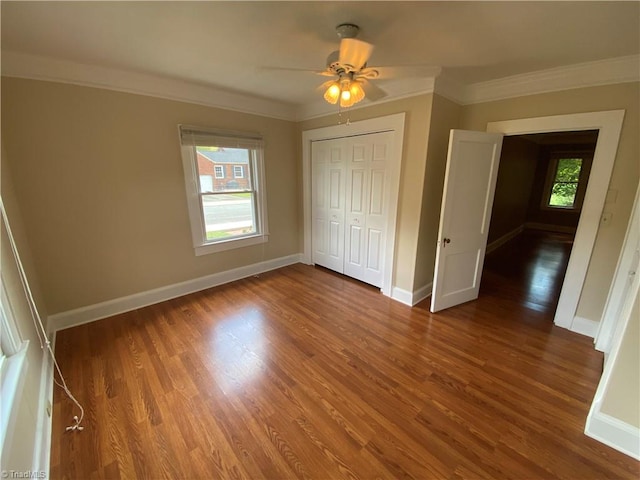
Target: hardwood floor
[303, 373]
[529, 270]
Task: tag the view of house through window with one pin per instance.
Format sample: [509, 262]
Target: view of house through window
[565, 183]
[227, 199]
[225, 187]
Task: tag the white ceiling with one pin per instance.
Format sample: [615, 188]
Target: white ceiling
[225, 44]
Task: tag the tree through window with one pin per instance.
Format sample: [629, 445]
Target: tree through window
[565, 183]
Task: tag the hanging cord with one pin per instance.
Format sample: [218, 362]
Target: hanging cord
[37, 322]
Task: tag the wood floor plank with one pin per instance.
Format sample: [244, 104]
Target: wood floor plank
[303, 373]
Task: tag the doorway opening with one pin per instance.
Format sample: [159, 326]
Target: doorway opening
[609, 126]
[542, 180]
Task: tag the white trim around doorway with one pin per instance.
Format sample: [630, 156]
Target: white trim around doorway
[394, 123]
[609, 125]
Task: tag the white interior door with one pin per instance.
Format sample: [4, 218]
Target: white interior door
[467, 200]
[367, 216]
[329, 163]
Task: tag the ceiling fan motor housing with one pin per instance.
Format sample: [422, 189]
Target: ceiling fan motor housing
[333, 63]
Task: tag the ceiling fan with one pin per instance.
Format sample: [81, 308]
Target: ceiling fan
[349, 66]
[351, 81]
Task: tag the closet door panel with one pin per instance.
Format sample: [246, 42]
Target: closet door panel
[328, 201]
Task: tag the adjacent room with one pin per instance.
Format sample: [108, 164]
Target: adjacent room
[320, 239]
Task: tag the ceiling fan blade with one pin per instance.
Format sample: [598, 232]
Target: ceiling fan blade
[372, 92]
[325, 73]
[368, 73]
[406, 71]
[354, 53]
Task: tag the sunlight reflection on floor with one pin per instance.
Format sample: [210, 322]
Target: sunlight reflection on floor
[238, 349]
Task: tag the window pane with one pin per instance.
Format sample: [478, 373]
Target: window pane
[568, 170]
[563, 194]
[212, 160]
[228, 215]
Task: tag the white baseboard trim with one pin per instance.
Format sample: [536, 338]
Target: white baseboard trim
[547, 227]
[422, 293]
[504, 239]
[401, 295]
[90, 313]
[613, 432]
[411, 298]
[584, 326]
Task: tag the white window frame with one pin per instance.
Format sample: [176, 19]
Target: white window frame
[552, 171]
[218, 168]
[237, 168]
[190, 138]
[13, 365]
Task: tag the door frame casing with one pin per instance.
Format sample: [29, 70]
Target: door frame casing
[610, 324]
[390, 123]
[609, 125]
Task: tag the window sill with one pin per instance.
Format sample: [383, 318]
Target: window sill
[561, 209]
[231, 244]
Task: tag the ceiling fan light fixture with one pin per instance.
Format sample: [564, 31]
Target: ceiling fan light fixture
[345, 99]
[346, 89]
[356, 91]
[333, 93]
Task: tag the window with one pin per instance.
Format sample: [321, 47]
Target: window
[13, 364]
[566, 181]
[219, 169]
[228, 212]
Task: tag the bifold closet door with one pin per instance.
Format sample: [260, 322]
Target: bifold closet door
[328, 199]
[366, 219]
[350, 198]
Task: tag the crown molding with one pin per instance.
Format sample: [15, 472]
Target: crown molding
[602, 72]
[450, 89]
[42, 68]
[590, 74]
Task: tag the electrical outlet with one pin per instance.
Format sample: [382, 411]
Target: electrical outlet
[48, 408]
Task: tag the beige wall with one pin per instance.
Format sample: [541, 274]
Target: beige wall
[98, 176]
[22, 440]
[417, 126]
[445, 115]
[625, 173]
[518, 163]
[622, 397]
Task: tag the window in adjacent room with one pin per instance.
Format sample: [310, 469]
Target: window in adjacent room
[566, 182]
[225, 212]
